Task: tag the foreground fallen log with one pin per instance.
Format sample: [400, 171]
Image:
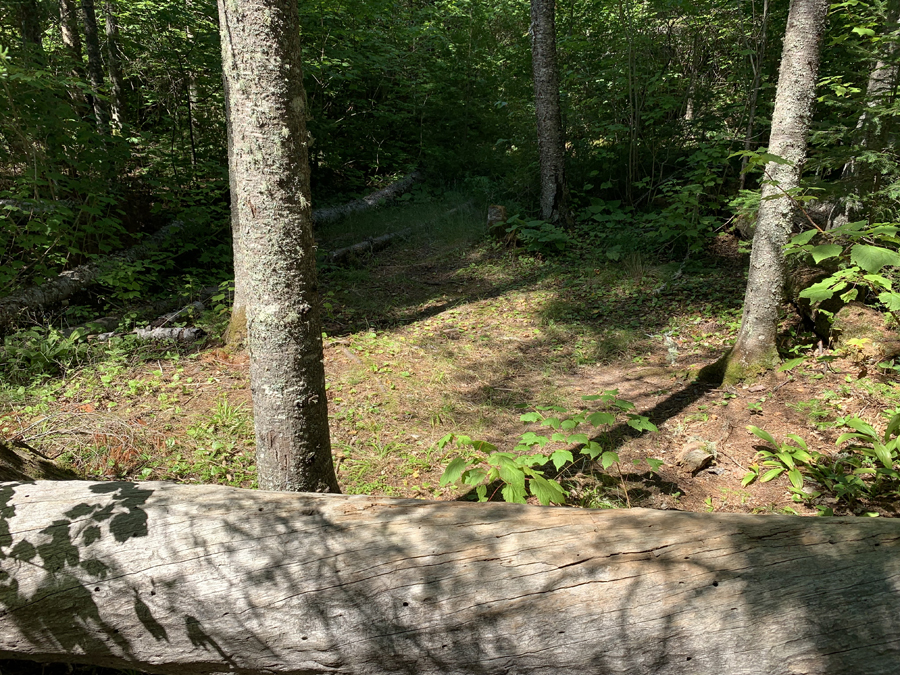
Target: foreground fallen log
[201, 579]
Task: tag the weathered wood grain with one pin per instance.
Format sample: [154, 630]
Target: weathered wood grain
[200, 579]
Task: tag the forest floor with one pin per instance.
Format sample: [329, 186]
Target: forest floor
[436, 336]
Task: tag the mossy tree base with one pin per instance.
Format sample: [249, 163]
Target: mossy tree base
[734, 367]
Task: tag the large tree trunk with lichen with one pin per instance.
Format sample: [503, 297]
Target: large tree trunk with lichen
[551, 144]
[184, 579]
[95, 63]
[272, 223]
[236, 334]
[755, 350]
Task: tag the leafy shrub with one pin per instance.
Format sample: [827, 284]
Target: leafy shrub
[869, 468]
[537, 236]
[522, 470]
[866, 258]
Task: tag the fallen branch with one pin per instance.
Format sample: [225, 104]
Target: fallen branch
[370, 245]
[201, 579]
[333, 213]
[68, 283]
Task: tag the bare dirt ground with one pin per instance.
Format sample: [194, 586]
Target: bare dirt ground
[425, 343]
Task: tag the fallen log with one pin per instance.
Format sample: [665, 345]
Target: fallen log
[200, 579]
[333, 213]
[21, 462]
[70, 282]
[371, 245]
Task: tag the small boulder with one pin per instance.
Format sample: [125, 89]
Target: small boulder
[694, 457]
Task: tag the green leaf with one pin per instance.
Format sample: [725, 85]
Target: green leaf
[804, 238]
[510, 473]
[796, 478]
[560, 457]
[641, 423]
[446, 439]
[873, 258]
[890, 300]
[883, 455]
[474, 476]
[598, 419]
[769, 475]
[568, 425]
[863, 32]
[799, 441]
[547, 491]
[765, 435]
[655, 463]
[592, 450]
[608, 459]
[514, 494]
[453, 471]
[893, 427]
[481, 491]
[825, 251]
[577, 438]
[790, 364]
[748, 478]
[531, 417]
[821, 291]
[862, 427]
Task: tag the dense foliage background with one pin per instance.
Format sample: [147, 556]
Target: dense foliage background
[657, 96]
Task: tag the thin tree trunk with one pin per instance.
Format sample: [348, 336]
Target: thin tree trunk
[95, 63]
[754, 88]
[755, 350]
[117, 86]
[195, 579]
[871, 130]
[68, 26]
[30, 26]
[274, 254]
[551, 144]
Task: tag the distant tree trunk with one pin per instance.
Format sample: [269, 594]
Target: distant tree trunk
[872, 130]
[755, 350]
[117, 86]
[30, 26]
[68, 25]
[551, 143]
[757, 63]
[95, 62]
[273, 243]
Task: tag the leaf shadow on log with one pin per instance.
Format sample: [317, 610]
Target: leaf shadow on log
[246, 582]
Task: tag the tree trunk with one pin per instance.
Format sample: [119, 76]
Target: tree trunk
[755, 350]
[95, 63]
[872, 130]
[30, 26]
[185, 579]
[117, 86]
[272, 223]
[236, 334]
[551, 144]
[757, 63]
[68, 26]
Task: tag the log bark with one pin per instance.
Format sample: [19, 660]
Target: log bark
[199, 579]
[20, 462]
